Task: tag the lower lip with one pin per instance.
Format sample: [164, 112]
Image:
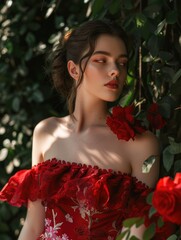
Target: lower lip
[112, 86]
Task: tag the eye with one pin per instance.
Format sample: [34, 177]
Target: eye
[100, 60]
[122, 64]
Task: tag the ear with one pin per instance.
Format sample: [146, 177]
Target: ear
[73, 69]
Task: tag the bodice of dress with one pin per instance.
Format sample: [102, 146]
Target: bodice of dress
[81, 202]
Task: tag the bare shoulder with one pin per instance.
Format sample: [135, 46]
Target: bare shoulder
[147, 141]
[45, 125]
[144, 146]
[43, 136]
[49, 126]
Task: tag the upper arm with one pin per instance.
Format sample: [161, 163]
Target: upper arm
[41, 140]
[145, 146]
[34, 223]
[37, 156]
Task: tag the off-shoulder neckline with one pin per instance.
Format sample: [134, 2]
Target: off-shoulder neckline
[85, 166]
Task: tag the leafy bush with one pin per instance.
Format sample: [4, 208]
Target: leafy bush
[30, 28]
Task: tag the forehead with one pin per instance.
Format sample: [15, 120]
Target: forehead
[110, 43]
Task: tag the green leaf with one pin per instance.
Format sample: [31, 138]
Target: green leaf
[176, 76]
[166, 56]
[149, 232]
[166, 104]
[153, 45]
[174, 148]
[149, 198]
[140, 20]
[165, 109]
[171, 17]
[114, 7]
[148, 163]
[128, 4]
[173, 237]
[168, 159]
[30, 39]
[97, 6]
[16, 104]
[3, 154]
[152, 211]
[13, 210]
[34, 26]
[50, 10]
[160, 27]
[5, 237]
[160, 222]
[177, 166]
[175, 88]
[123, 234]
[152, 8]
[22, 29]
[128, 223]
[28, 55]
[134, 238]
[155, 2]
[168, 73]
[148, 58]
[139, 222]
[23, 70]
[9, 47]
[37, 96]
[5, 212]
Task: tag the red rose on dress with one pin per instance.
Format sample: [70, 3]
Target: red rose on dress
[123, 123]
[154, 117]
[167, 198]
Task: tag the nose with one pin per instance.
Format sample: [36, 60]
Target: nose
[114, 71]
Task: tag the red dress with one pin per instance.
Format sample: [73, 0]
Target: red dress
[81, 202]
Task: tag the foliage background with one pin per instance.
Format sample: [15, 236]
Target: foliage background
[28, 31]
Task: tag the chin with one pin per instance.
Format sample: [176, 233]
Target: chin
[113, 98]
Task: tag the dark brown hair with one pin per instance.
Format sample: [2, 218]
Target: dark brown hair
[77, 45]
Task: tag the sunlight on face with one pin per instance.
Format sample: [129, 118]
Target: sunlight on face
[107, 63]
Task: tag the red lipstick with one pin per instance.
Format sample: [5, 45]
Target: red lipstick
[113, 84]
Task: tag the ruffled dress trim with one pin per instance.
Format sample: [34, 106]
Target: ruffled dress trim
[54, 181]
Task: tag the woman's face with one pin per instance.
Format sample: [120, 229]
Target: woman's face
[106, 70]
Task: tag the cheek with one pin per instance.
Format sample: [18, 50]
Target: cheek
[93, 72]
[97, 67]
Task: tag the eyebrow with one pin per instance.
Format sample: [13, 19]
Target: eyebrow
[109, 54]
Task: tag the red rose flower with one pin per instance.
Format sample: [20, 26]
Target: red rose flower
[154, 117]
[167, 198]
[123, 123]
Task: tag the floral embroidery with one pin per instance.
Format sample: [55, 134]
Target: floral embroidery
[110, 238]
[64, 237]
[51, 232]
[68, 218]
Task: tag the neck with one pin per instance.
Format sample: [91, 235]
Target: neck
[89, 114]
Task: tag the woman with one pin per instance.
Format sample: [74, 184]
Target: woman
[84, 181]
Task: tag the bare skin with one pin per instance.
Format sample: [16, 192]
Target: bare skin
[87, 139]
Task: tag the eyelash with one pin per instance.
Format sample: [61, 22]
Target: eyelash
[100, 61]
[123, 64]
